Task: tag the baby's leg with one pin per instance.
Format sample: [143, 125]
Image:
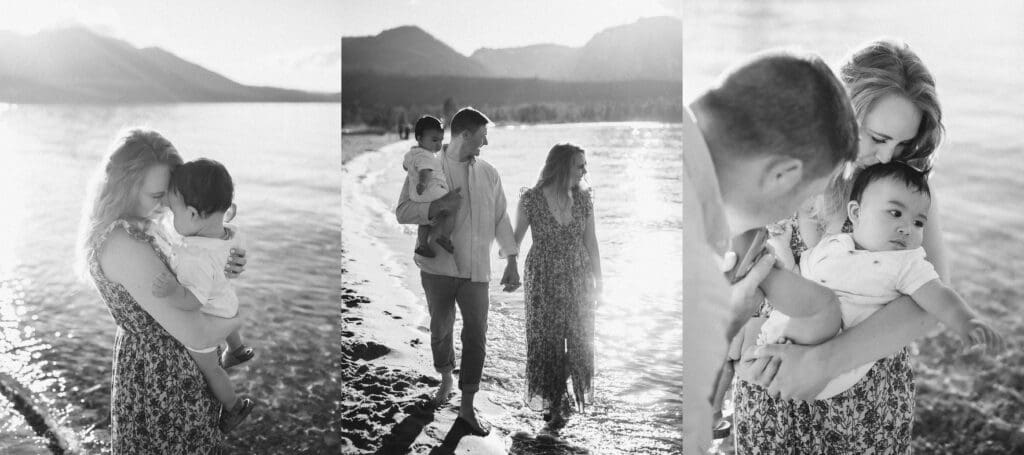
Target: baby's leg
[446, 225]
[216, 377]
[234, 340]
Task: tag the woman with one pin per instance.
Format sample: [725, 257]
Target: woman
[899, 116]
[160, 402]
[562, 280]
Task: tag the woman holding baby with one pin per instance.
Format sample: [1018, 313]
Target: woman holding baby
[160, 401]
[894, 97]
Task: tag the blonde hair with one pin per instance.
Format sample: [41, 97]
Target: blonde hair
[557, 167]
[113, 191]
[871, 72]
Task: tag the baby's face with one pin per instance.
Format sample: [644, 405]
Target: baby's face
[431, 140]
[889, 217]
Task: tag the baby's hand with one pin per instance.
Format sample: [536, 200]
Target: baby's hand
[420, 187]
[978, 332]
[165, 285]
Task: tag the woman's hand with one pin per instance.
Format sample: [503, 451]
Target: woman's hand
[801, 373]
[236, 263]
[778, 241]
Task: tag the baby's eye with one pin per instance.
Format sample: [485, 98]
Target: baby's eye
[896, 213]
[919, 224]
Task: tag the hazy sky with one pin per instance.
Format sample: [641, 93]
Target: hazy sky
[467, 25]
[292, 44]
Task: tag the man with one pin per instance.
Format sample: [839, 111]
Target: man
[478, 204]
[756, 145]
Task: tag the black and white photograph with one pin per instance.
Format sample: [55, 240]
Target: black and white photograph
[511, 227]
[170, 227]
[850, 263]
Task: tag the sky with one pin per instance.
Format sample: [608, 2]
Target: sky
[467, 25]
[290, 44]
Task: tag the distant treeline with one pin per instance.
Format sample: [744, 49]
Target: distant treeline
[388, 101]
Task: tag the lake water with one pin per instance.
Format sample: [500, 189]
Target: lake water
[975, 50]
[635, 170]
[56, 334]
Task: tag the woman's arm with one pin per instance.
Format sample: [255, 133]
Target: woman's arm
[522, 223]
[590, 241]
[134, 265]
[805, 370]
[933, 244]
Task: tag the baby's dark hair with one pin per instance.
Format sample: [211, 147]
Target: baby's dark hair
[204, 185]
[427, 123]
[914, 179]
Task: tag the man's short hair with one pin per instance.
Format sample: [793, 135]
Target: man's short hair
[427, 123]
[783, 103]
[468, 119]
[914, 179]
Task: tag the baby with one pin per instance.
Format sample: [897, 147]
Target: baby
[199, 196]
[881, 260]
[426, 181]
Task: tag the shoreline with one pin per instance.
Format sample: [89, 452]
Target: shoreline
[385, 340]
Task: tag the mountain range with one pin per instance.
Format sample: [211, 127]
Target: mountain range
[77, 65]
[648, 49]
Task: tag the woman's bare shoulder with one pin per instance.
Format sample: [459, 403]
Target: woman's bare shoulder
[121, 251]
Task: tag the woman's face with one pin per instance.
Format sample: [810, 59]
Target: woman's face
[153, 191]
[578, 169]
[887, 129]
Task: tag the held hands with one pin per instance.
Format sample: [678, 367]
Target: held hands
[510, 279]
[977, 332]
[165, 285]
[236, 263]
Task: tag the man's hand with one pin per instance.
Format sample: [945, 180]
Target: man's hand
[448, 202]
[165, 285]
[236, 263]
[746, 296]
[510, 279]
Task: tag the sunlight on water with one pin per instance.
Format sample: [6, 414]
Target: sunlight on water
[56, 335]
[634, 170]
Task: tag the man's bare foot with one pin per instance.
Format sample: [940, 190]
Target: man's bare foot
[476, 429]
[443, 393]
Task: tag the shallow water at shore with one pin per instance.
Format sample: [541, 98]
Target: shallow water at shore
[57, 333]
[634, 169]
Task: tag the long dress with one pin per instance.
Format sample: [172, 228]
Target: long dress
[160, 401]
[558, 288]
[873, 416]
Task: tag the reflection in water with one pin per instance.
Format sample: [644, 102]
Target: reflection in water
[56, 335]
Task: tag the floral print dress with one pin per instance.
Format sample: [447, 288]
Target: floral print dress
[558, 287]
[874, 416]
[160, 401]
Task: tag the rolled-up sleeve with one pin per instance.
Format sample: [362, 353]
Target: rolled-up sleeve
[409, 211]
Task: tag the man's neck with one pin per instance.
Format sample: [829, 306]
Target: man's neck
[455, 150]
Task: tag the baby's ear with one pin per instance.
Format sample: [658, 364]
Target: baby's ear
[853, 211]
[192, 212]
